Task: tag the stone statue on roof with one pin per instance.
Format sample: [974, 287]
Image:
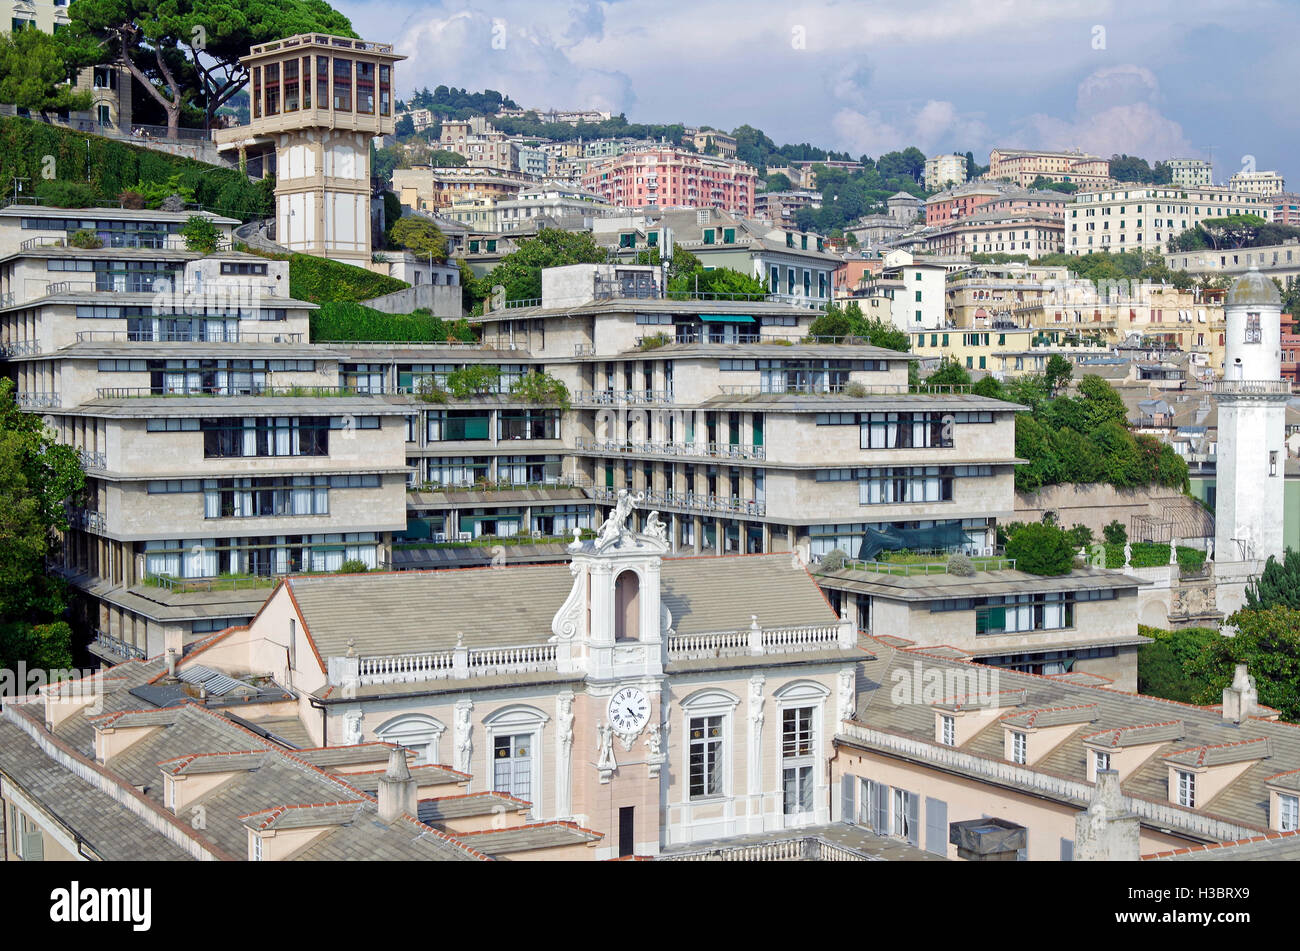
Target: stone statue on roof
[615, 526]
[655, 528]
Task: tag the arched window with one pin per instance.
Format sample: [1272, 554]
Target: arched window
[627, 607]
[514, 751]
[414, 731]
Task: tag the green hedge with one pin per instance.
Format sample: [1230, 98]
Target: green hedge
[110, 167]
[323, 281]
[1153, 555]
[344, 320]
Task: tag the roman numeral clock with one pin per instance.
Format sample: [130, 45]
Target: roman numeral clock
[629, 711]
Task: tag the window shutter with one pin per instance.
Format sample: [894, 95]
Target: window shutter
[1067, 850]
[881, 820]
[847, 811]
[913, 804]
[936, 826]
[33, 847]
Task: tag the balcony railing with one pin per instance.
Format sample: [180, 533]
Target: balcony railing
[88, 521]
[712, 450]
[146, 241]
[756, 640]
[851, 388]
[1252, 387]
[808, 848]
[196, 335]
[162, 392]
[20, 348]
[91, 459]
[118, 646]
[692, 501]
[457, 663]
[617, 397]
[38, 400]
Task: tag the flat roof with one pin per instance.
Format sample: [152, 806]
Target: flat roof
[937, 587]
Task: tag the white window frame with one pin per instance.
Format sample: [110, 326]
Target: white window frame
[1288, 812]
[947, 729]
[1019, 747]
[792, 696]
[415, 731]
[518, 720]
[1186, 788]
[1100, 761]
[710, 703]
[257, 847]
[898, 813]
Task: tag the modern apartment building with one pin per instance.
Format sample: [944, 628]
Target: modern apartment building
[1193, 172]
[944, 171]
[1258, 183]
[667, 177]
[1286, 209]
[1145, 217]
[1031, 232]
[1022, 166]
[780, 208]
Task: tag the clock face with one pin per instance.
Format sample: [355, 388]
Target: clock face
[629, 710]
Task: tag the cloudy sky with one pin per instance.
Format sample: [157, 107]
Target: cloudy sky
[1155, 78]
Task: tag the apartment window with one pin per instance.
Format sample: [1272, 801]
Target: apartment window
[708, 235]
[705, 757]
[797, 759]
[257, 848]
[1100, 761]
[1018, 747]
[342, 85]
[1288, 808]
[1186, 793]
[948, 730]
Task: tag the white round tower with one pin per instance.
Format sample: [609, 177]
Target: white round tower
[1252, 397]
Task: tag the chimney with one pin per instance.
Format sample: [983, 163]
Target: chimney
[173, 647]
[1240, 698]
[1106, 831]
[397, 788]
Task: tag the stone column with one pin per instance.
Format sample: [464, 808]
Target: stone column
[754, 754]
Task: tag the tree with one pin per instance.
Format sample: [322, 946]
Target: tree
[200, 235]
[1041, 550]
[33, 69]
[473, 380]
[404, 127]
[1268, 642]
[37, 477]
[1163, 665]
[1059, 371]
[1115, 533]
[837, 324]
[520, 272]
[1278, 584]
[189, 51]
[1102, 403]
[949, 373]
[778, 182]
[421, 237]
[720, 283]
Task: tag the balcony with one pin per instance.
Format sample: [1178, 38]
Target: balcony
[459, 663]
[710, 450]
[20, 349]
[162, 392]
[195, 335]
[756, 641]
[88, 521]
[38, 400]
[621, 397]
[1257, 388]
[115, 645]
[92, 460]
[691, 501]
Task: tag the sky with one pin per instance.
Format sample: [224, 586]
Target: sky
[1154, 78]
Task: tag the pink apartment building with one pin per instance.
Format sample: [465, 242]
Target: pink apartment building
[669, 177]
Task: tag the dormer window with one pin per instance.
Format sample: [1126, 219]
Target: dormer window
[1019, 747]
[1185, 794]
[1100, 761]
[257, 848]
[947, 730]
[1288, 813]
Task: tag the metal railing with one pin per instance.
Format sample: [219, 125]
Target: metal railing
[191, 585]
[852, 388]
[88, 521]
[141, 241]
[197, 335]
[118, 646]
[38, 400]
[712, 450]
[91, 459]
[617, 397]
[694, 501]
[906, 569]
[20, 348]
[305, 392]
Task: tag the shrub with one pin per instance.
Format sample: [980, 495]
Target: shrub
[1041, 550]
[1080, 536]
[200, 235]
[541, 388]
[85, 238]
[354, 566]
[428, 390]
[1115, 533]
[59, 194]
[960, 565]
[131, 199]
[472, 380]
[654, 341]
[834, 560]
[855, 389]
[348, 321]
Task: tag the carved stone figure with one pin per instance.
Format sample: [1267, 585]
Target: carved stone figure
[655, 528]
[565, 719]
[352, 732]
[756, 701]
[605, 746]
[1128, 555]
[464, 742]
[654, 740]
[847, 694]
[1173, 550]
[615, 526]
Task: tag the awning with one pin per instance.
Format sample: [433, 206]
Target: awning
[726, 318]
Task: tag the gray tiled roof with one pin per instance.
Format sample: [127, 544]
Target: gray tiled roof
[441, 809]
[107, 828]
[391, 613]
[544, 835]
[928, 587]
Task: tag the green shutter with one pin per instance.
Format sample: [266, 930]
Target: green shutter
[708, 235]
[729, 235]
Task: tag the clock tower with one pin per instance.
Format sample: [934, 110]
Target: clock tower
[614, 629]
